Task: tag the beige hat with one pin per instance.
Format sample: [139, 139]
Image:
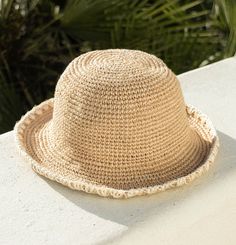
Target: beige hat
[118, 126]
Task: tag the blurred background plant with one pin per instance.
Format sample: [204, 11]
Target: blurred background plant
[38, 38]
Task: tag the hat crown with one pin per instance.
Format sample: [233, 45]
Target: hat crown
[119, 111]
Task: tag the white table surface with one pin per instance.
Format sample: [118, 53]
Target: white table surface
[34, 210]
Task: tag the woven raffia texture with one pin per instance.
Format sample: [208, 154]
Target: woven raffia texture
[118, 120]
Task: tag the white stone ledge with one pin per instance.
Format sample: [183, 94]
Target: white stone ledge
[35, 211]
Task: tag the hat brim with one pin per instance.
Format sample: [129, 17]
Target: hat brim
[31, 133]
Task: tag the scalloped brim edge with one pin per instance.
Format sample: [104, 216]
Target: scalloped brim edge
[101, 190]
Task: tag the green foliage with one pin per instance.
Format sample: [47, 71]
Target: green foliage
[180, 33]
[33, 51]
[225, 15]
[38, 38]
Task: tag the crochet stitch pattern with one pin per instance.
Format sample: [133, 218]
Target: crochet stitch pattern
[117, 126]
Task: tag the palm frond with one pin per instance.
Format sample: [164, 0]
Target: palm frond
[225, 14]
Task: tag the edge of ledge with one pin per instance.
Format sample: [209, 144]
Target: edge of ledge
[233, 59]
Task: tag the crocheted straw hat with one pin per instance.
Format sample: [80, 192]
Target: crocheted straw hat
[117, 126]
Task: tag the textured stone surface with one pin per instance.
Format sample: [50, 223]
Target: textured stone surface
[34, 210]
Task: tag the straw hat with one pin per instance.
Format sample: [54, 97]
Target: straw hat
[117, 126]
